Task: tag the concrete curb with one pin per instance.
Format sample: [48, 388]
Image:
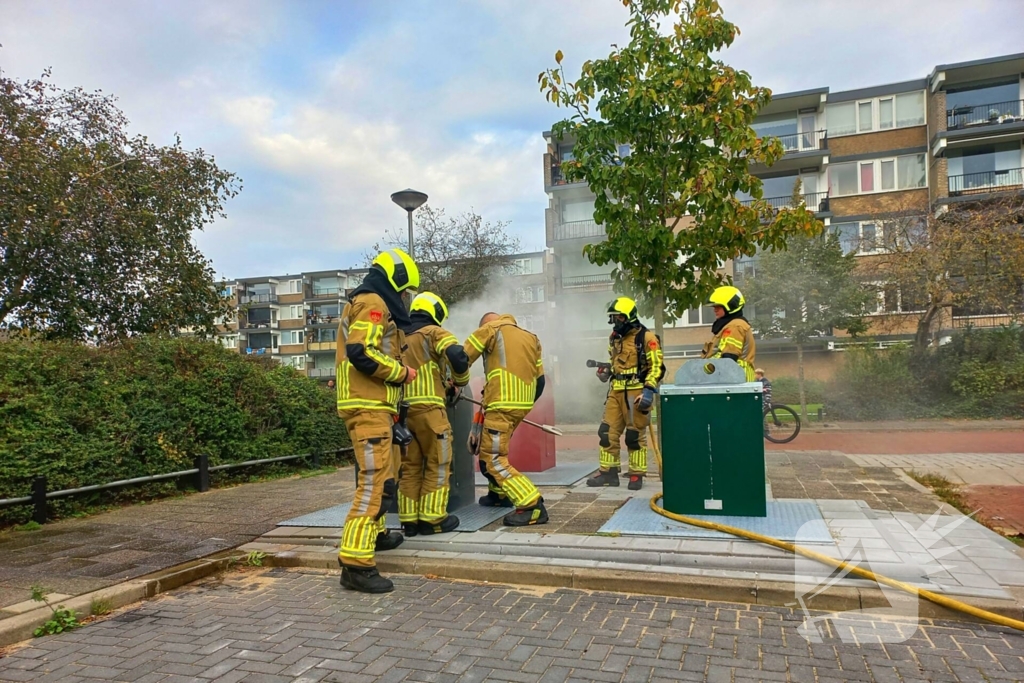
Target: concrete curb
[756, 592]
[17, 628]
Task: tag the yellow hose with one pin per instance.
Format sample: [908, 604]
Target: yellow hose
[853, 569]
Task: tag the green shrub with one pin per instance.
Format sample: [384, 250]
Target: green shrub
[82, 415]
[979, 374]
[787, 390]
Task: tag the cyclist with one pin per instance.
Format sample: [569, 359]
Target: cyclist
[766, 391]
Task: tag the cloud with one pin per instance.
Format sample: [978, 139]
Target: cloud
[325, 108]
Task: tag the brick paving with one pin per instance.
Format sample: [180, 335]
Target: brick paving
[77, 556]
[1001, 506]
[298, 625]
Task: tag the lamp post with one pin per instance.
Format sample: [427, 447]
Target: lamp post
[410, 200]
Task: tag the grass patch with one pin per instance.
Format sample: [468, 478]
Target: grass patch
[100, 606]
[29, 526]
[947, 491]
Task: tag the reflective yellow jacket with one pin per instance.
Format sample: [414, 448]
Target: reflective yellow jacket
[735, 338]
[512, 363]
[625, 363]
[428, 353]
[369, 358]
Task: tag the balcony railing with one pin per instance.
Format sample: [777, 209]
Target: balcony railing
[963, 321]
[316, 292]
[601, 281]
[258, 299]
[322, 372]
[316, 319]
[322, 346]
[986, 182]
[816, 201]
[261, 351]
[970, 116]
[804, 142]
[577, 229]
[258, 325]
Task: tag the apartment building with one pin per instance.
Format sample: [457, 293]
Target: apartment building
[294, 318]
[864, 158]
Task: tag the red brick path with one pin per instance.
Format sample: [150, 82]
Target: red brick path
[1001, 506]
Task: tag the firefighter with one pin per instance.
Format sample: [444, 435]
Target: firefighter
[370, 375]
[733, 336]
[423, 484]
[636, 369]
[514, 381]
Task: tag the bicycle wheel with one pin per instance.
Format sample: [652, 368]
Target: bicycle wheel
[781, 424]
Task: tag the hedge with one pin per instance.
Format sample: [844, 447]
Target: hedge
[82, 415]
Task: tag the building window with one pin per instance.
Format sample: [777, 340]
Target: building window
[297, 362]
[230, 342]
[527, 266]
[896, 298]
[878, 175]
[293, 337]
[228, 291]
[577, 211]
[863, 237]
[880, 113]
[705, 315]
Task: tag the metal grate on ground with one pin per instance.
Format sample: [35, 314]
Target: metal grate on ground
[788, 520]
[472, 517]
[559, 475]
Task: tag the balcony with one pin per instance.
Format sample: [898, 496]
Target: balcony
[322, 372]
[816, 201]
[317, 292]
[578, 229]
[973, 116]
[315, 346]
[588, 282]
[805, 142]
[986, 182]
[258, 325]
[250, 299]
[261, 351]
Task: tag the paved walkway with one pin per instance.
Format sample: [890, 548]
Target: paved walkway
[292, 625]
[77, 556]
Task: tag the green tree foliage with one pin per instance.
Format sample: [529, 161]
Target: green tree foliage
[685, 117]
[96, 226]
[82, 415]
[456, 255]
[804, 291]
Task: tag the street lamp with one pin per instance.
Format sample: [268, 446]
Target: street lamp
[410, 200]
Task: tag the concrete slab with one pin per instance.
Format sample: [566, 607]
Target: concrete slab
[565, 474]
[29, 605]
[472, 517]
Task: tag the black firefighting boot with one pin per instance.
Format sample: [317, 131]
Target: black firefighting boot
[609, 478]
[537, 514]
[365, 580]
[441, 526]
[388, 540]
[410, 529]
[493, 500]
[636, 482]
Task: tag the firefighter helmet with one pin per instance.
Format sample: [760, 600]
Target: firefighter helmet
[729, 298]
[432, 305]
[399, 268]
[622, 306]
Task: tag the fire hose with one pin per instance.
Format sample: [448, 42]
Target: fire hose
[544, 428]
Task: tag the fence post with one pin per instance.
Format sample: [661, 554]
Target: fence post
[202, 463]
[316, 459]
[820, 411]
[39, 500]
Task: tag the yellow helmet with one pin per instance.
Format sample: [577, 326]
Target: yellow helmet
[400, 268]
[432, 305]
[623, 306]
[729, 298]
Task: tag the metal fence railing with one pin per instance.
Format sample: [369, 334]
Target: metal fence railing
[577, 229]
[815, 201]
[201, 471]
[986, 182]
[969, 116]
[804, 142]
[258, 299]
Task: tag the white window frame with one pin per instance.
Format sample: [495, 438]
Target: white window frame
[879, 236]
[293, 334]
[294, 286]
[523, 266]
[876, 175]
[875, 123]
[684, 320]
[229, 341]
[293, 312]
[297, 362]
[880, 301]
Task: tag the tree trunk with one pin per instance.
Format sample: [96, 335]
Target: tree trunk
[659, 316]
[800, 381]
[923, 335]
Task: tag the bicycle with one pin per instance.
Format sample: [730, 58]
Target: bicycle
[784, 424]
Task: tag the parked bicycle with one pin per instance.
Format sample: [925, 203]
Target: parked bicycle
[781, 423]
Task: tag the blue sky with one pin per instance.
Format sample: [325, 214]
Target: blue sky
[325, 108]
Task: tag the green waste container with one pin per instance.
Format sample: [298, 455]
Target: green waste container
[712, 439]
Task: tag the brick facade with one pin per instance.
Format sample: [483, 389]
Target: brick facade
[938, 179]
[289, 324]
[881, 142]
[881, 202]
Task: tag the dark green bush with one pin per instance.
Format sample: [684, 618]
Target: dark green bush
[83, 415]
[787, 390]
[979, 374]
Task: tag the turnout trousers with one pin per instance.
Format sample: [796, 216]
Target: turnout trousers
[503, 479]
[622, 418]
[423, 484]
[376, 488]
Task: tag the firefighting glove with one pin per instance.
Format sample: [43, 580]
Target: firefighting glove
[451, 395]
[604, 374]
[476, 432]
[646, 400]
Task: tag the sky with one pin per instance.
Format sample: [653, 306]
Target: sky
[326, 108]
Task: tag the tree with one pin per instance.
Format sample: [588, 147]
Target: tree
[970, 256]
[807, 290]
[96, 226]
[456, 256]
[685, 117]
